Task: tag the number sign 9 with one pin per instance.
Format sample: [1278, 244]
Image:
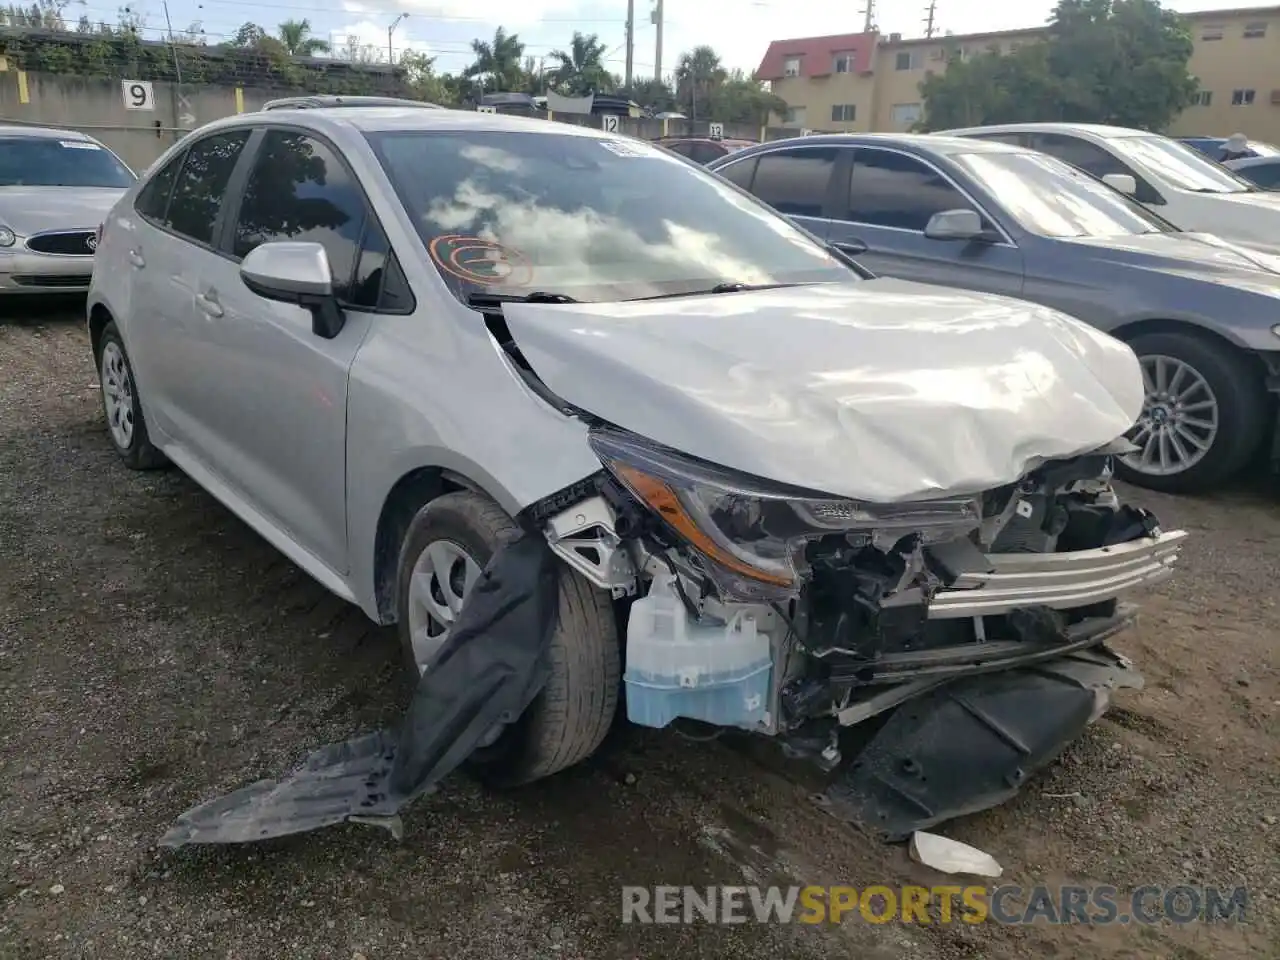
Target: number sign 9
[138, 94]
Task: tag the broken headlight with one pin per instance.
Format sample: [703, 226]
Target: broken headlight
[750, 533]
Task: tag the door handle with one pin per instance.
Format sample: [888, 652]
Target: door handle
[135, 257]
[851, 247]
[209, 304]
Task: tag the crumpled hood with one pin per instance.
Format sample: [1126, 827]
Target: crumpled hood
[882, 390]
[28, 210]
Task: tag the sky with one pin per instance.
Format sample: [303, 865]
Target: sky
[739, 30]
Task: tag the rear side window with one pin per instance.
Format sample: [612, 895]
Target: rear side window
[740, 172]
[795, 182]
[682, 147]
[1263, 174]
[153, 199]
[202, 185]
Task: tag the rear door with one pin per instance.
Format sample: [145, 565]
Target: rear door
[888, 199]
[796, 181]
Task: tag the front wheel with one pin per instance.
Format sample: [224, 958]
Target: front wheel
[1203, 416]
[449, 543]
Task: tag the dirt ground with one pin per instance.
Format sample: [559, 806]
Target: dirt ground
[154, 652]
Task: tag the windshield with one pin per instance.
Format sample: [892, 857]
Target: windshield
[1179, 165]
[594, 219]
[1053, 199]
[47, 162]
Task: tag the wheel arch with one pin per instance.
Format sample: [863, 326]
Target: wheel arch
[1135, 328]
[99, 317]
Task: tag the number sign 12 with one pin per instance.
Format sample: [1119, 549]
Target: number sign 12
[138, 94]
[609, 123]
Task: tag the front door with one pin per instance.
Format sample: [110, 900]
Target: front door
[282, 422]
[890, 198]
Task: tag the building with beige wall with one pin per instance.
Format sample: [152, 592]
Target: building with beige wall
[869, 81]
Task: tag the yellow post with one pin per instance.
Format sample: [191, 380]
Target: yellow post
[764, 132]
[24, 96]
[664, 126]
[551, 115]
[239, 100]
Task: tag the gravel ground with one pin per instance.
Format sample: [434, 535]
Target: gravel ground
[154, 652]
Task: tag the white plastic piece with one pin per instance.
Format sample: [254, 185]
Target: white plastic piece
[952, 856]
[680, 667]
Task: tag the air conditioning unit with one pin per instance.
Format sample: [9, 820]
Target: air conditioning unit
[895, 37]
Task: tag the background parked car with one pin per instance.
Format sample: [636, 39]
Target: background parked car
[1215, 147]
[1199, 312]
[1262, 172]
[703, 149]
[55, 188]
[1176, 181]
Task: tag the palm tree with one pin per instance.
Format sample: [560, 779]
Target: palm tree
[697, 73]
[580, 70]
[297, 39]
[497, 64]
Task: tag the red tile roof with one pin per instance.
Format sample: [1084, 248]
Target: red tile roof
[816, 54]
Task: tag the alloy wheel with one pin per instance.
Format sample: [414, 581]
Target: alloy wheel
[1179, 421]
[117, 394]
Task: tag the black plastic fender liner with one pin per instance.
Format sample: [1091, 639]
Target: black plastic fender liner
[971, 744]
[486, 674]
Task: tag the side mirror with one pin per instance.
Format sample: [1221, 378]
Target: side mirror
[1123, 182]
[954, 225]
[295, 272]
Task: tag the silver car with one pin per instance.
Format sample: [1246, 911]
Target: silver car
[783, 497]
[56, 187]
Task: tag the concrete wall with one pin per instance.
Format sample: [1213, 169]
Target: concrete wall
[96, 106]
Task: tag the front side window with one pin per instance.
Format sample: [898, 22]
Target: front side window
[595, 219]
[49, 162]
[299, 190]
[1053, 199]
[202, 184]
[893, 190]
[1179, 165]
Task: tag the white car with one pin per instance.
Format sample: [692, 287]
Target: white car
[786, 497]
[1173, 179]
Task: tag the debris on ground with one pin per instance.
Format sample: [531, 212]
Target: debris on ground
[952, 856]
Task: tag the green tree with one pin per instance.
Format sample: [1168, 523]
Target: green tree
[653, 94]
[580, 70]
[698, 73]
[741, 99]
[298, 41]
[1122, 62]
[497, 65]
[423, 81]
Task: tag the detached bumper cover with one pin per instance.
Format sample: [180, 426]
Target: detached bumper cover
[971, 744]
[1059, 580]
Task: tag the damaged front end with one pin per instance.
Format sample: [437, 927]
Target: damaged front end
[972, 628]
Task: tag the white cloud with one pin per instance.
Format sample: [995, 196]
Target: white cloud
[366, 34]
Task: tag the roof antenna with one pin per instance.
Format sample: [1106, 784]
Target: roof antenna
[929, 28]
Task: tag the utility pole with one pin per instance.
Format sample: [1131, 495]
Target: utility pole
[391, 56]
[631, 41]
[869, 17]
[928, 18]
[655, 17]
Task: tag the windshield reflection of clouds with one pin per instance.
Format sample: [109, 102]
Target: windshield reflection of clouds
[1179, 164]
[598, 224]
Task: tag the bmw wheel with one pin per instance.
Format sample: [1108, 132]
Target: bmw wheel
[125, 423]
[1203, 416]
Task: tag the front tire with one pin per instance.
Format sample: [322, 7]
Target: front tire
[449, 542]
[1203, 417]
[126, 426]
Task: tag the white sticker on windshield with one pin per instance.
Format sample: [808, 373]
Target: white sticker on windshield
[79, 145]
[623, 149]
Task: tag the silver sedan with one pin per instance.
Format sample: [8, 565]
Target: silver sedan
[56, 187]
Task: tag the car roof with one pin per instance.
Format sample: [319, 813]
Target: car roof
[1253, 162]
[918, 142]
[41, 133]
[318, 101]
[1099, 130]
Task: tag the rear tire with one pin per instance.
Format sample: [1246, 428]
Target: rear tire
[570, 717]
[126, 426]
[1241, 411]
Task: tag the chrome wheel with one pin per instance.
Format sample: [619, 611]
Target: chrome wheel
[117, 394]
[1179, 421]
[442, 577]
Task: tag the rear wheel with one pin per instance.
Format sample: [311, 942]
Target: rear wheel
[1203, 416]
[448, 544]
[126, 425]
